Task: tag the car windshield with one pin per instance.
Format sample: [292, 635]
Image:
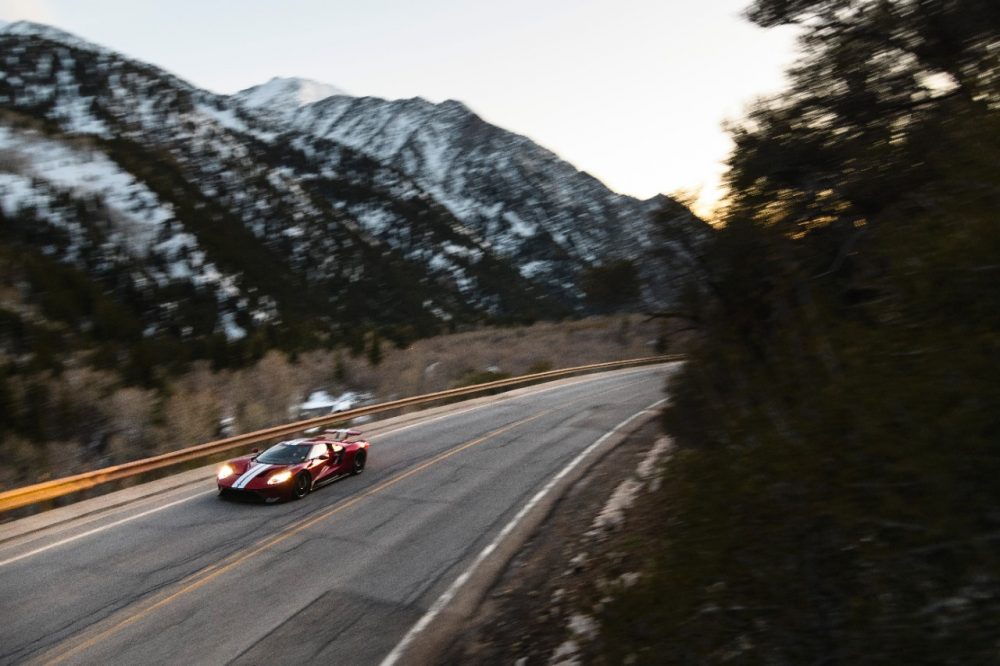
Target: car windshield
[284, 454]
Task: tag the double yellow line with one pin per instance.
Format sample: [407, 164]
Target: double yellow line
[208, 574]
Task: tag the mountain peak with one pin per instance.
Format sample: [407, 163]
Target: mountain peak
[31, 29]
[285, 95]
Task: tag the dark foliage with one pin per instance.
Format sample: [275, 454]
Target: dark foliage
[834, 498]
[611, 287]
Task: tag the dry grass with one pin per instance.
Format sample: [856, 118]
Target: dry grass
[442, 362]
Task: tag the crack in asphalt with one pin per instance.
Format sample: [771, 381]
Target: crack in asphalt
[333, 639]
[65, 631]
[420, 587]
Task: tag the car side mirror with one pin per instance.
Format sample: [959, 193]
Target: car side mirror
[325, 456]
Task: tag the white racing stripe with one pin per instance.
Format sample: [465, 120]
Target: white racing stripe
[250, 474]
[393, 657]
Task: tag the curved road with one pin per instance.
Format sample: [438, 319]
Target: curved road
[339, 577]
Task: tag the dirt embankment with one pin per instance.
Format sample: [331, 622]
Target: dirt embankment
[542, 609]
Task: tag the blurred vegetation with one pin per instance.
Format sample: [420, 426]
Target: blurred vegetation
[473, 377]
[611, 287]
[835, 494]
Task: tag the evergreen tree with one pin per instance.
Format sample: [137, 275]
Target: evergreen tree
[611, 287]
[375, 349]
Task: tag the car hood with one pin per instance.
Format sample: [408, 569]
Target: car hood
[242, 465]
[247, 473]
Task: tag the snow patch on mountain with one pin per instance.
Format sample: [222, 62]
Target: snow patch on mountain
[39, 175]
[282, 97]
[85, 173]
[533, 268]
[42, 31]
[225, 117]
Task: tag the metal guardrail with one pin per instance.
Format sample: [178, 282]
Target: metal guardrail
[49, 490]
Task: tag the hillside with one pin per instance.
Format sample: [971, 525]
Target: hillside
[276, 216]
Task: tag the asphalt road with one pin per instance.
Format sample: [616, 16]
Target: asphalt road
[338, 577]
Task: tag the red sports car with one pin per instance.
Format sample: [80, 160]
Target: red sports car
[292, 468]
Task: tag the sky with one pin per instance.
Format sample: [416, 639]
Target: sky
[635, 92]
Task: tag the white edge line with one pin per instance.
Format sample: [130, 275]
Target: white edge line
[453, 589]
[81, 535]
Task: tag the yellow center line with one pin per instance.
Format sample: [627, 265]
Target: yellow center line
[214, 571]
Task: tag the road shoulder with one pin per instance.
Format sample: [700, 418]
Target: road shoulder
[536, 605]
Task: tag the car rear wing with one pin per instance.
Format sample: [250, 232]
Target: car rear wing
[342, 434]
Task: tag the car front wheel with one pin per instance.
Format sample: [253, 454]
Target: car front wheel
[302, 486]
[359, 463]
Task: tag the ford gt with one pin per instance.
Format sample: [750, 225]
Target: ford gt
[293, 468]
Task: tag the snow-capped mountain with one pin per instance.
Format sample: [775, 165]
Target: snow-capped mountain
[282, 97]
[525, 202]
[290, 204]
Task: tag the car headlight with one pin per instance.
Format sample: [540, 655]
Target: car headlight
[226, 470]
[280, 477]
